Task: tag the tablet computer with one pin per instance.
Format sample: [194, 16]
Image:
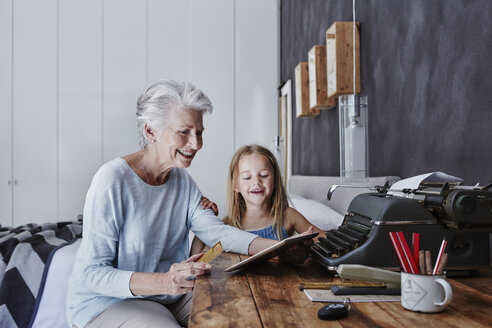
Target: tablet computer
[272, 251]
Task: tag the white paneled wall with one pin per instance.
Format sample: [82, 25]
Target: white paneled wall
[6, 185]
[256, 109]
[71, 72]
[168, 54]
[212, 27]
[35, 89]
[124, 73]
[79, 101]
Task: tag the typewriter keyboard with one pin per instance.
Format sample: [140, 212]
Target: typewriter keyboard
[342, 240]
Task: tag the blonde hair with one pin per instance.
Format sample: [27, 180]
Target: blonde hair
[237, 205]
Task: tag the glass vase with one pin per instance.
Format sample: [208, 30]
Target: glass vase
[354, 159]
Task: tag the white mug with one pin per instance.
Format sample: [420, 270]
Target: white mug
[425, 293]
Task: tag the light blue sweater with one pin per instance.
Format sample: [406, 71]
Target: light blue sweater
[131, 226]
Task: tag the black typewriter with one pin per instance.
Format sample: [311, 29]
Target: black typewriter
[462, 215]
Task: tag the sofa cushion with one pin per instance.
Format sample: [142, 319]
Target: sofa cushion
[316, 188]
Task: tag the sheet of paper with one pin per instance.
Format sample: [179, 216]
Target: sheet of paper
[326, 295]
[416, 181]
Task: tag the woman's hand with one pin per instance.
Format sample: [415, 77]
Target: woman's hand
[298, 253]
[181, 276]
[180, 279]
[207, 203]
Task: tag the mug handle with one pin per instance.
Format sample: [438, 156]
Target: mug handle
[448, 292]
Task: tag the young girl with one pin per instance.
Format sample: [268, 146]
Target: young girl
[257, 199]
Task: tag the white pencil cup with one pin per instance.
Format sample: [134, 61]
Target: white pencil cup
[425, 293]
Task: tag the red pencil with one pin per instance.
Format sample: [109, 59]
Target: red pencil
[399, 251]
[416, 247]
[406, 252]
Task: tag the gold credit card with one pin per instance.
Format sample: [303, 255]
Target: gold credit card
[212, 253]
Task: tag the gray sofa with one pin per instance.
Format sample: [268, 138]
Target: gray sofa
[316, 188]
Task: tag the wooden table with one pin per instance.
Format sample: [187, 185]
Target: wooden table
[267, 295]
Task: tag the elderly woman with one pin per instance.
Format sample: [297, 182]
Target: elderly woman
[132, 265]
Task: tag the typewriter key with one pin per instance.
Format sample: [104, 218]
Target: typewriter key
[333, 311]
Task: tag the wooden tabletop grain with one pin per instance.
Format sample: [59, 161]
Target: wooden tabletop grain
[267, 295]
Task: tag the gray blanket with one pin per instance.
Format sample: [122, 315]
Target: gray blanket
[25, 255]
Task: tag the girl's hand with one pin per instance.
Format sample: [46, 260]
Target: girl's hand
[298, 253]
[180, 279]
[207, 203]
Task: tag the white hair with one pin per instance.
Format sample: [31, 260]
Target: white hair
[154, 105]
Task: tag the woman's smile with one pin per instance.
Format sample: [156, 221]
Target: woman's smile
[187, 154]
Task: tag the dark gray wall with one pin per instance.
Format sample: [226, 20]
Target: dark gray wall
[426, 68]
